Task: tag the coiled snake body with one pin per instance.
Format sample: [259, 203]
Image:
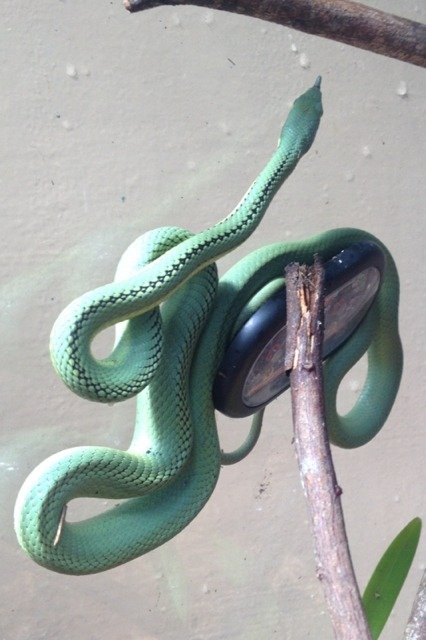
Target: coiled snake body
[169, 358]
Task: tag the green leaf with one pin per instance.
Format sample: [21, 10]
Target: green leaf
[389, 576]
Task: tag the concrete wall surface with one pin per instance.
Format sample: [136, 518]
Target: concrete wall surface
[113, 124]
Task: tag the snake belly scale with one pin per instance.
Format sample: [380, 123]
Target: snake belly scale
[176, 319]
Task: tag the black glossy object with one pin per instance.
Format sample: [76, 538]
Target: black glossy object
[252, 374]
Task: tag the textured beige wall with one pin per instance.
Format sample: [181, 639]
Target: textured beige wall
[113, 124]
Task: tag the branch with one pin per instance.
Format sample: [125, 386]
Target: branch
[416, 628]
[305, 302]
[349, 22]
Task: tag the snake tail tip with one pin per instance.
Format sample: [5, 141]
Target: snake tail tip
[60, 525]
[317, 82]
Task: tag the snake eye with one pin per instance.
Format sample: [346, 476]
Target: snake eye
[252, 371]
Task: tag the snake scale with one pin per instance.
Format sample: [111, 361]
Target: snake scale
[177, 321]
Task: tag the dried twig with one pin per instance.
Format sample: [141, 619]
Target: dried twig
[416, 628]
[303, 348]
[349, 22]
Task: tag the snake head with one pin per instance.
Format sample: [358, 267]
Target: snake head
[304, 118]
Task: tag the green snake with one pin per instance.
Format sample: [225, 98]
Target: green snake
[176, 322]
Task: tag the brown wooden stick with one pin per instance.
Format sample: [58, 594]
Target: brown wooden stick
[303, 348]
[349, 22]
[416, 628]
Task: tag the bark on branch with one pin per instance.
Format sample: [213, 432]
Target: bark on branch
[349, 22]
[416, 628]
[303, 359]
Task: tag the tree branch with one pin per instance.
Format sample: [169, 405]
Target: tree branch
[303, 359]
[350, 22]
[416, 628]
